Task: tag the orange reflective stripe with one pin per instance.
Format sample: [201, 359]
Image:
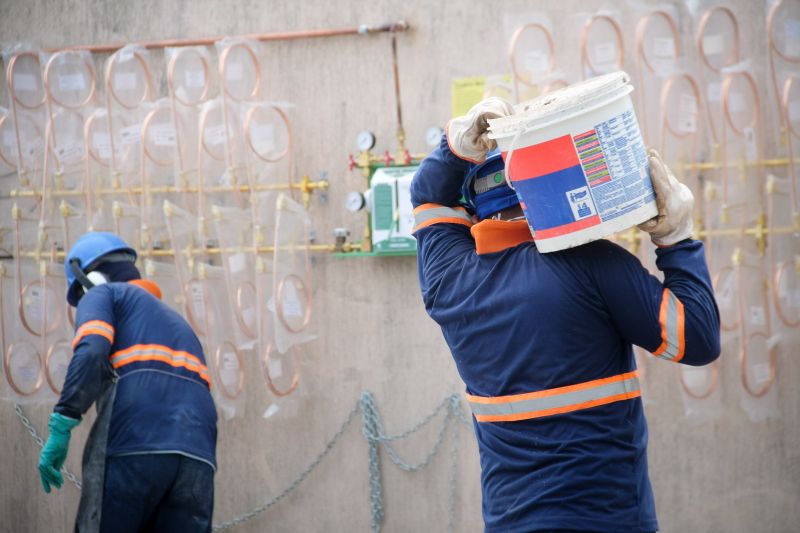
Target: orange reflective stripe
[555, 401]
[672, 320]
[163, 354]
[428, 214]
[94, 327]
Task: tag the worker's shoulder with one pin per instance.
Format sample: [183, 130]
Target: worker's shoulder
[600, 251]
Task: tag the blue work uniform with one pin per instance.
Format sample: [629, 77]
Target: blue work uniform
[543, 343]
[143, 364]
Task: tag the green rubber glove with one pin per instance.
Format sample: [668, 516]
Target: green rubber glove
[54, 452]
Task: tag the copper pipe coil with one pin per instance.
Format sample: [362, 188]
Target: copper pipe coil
[586, 62]
[15, 100]
[712, 384]
[778, 277]
[512, 48]
[171, 78]
[189, 307]
[148, 153]
[249, 134]
[223, 389]
[771, 36]
[202, 120]
[279, 303]
[239, 309]
[773, 370]
[641, 56]
[9, 375]
[268, 378]
[666, 125]
[223, 68]
[47, 79]
[3, 157]
[22, 315]
[147, 78]
[400, 25]
[730, 60]
[728, 121]
[47, 362]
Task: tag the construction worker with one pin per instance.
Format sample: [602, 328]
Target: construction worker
[544, 342]
[149, 462]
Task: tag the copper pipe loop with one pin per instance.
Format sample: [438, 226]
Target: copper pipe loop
[48, 362]
[10, 375]
[223, 389]
[48, 78]
[268, 377]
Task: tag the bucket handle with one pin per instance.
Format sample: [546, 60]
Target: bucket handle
[511, 148]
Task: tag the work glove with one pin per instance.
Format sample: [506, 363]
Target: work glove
[54, 452]
[467, 135]
[675, 203]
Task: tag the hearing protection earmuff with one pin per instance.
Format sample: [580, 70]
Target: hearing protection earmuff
[94, 278]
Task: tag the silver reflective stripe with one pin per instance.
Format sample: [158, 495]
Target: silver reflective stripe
[673, 342]
[538, 406]
[439, 212]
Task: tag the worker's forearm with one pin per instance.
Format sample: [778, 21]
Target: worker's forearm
[88, 371]
[686, 276]
[439, 178]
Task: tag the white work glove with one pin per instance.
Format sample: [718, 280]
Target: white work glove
[467, 134]
[675, 203]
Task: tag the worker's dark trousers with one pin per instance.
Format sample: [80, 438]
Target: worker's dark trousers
[157, 492]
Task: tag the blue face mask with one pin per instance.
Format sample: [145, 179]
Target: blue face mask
[494, 200]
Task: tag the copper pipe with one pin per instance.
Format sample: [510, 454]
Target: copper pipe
[790, 133]
[15, 101]
[5, 158]
[712, 382]
[47, 364]
[401, 132]
[641, 57]
[248, 134]
[586, 62]
[9, 375]
[239, 308]
[280, 36]
[279, 303]
[732, 58]
[268, 377]
[48, 78]
[512, 49]
[223, 389]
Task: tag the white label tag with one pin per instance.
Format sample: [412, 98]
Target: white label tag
[751, 145]
[713, 44]
[25, 82]
[101, 142]
[757, 316]
[605, 52]
[233, 72]
[67, 153]
[229, 361]
[194, 79]
[237, 262]
[33, 303]
[714, 92]
[664, 47]
[198, 301]
[761, 372]
[130, 134]
[687, 113]
[275, 368]
[263, 137]
[214, 135]
[163, 135]
[536, 61]
[291, 303]
[125, 81]
[271, 410]
[71, 82]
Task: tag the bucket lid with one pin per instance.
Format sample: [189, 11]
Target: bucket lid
[561, 104]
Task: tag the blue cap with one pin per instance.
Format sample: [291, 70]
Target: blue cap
[485, 190]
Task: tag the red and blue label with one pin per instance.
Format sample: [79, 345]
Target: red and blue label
[551, 184]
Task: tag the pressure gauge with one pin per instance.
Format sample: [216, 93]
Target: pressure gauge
[433, 136]
[355, 201]
[365, 140]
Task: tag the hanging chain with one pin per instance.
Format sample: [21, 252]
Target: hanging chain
[35, 434]
[375, 435]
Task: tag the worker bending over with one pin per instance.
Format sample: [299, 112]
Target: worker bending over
[543, 342]
[149, 461]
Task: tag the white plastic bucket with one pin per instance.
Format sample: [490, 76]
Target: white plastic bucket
[577, 162]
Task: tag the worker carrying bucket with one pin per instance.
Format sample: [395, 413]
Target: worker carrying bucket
[149, 462]
[543, 341]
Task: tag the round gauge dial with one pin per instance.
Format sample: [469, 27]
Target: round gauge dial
[365, 141]
[355, 201]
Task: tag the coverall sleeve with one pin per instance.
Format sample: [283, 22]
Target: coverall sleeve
[90, 367]
[441, 225]
[678, 319]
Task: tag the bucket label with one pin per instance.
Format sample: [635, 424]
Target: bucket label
[575, 182]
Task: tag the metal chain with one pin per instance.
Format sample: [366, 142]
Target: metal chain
[375, 436]
[299, 479]
[35, 434]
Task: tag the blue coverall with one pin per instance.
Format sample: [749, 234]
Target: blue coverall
[543, 343]
[155, 436]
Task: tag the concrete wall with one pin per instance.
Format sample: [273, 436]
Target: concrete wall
[731, 474]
